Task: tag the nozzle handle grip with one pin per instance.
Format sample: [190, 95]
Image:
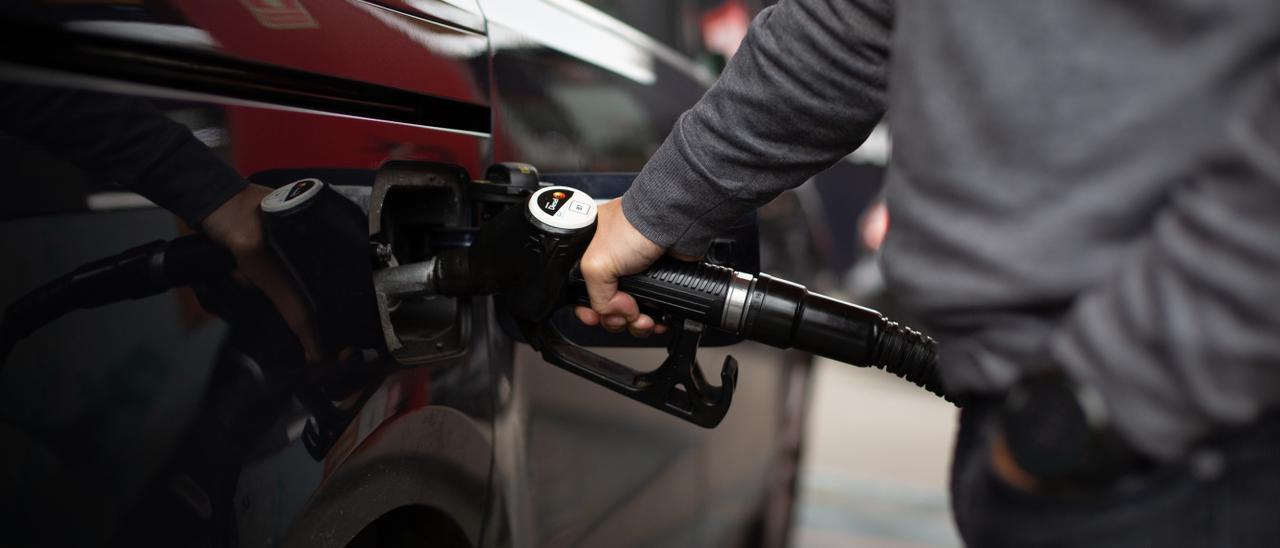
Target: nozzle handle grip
[690, 290]
[780, 313]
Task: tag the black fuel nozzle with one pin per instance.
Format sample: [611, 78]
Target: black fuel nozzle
[783, 314]
[322, 240]
[528, 255]
[524, 255]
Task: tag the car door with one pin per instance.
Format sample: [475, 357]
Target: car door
[131, 418]
[576, 91]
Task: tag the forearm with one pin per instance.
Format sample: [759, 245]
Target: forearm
[805, 88]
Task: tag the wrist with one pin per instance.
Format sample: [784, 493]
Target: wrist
[236, 224]
[636, 239]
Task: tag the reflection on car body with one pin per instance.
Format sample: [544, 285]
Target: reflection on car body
[152, 422]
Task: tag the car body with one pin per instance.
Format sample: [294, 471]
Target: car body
[146, 422]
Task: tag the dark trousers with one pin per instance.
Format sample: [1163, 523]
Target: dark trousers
[1227, 495]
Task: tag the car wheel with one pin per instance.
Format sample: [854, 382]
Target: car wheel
[411, 526]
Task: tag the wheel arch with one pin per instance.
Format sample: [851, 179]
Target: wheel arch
[433, 460]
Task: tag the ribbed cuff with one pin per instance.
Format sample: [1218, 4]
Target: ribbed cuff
[675, 204]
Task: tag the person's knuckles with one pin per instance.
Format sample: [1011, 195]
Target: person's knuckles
[246, 245]
[586, 315]
[642, 327]
[616, 305]
[596, 266]
[643, 321]
[624, 305]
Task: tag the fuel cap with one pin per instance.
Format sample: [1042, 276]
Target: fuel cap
[562, 209]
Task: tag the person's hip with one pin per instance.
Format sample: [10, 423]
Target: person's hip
[1226, 494]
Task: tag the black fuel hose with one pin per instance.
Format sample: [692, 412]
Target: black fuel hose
[525, 253]
[783, 314]
[760, 307]
[142, 271]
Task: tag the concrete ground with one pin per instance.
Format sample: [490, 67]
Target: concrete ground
[875, 468]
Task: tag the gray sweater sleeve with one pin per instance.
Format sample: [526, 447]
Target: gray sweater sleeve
[1184, 340]
[805, 88]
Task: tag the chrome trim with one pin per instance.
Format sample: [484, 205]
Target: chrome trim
[735, 301]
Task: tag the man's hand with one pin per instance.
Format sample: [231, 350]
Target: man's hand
[1006, 467]
[237, 225]
[617, 249]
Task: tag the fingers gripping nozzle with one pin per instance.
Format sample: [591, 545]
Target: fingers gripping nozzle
[786, 315]
[527, 256]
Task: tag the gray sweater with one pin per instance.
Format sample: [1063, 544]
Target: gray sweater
[1085, 184]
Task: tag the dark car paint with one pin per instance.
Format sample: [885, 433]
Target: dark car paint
[512, 450]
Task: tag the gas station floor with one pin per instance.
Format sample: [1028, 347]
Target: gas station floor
[875, 466]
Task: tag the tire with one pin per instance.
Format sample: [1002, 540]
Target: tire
[411, 526]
